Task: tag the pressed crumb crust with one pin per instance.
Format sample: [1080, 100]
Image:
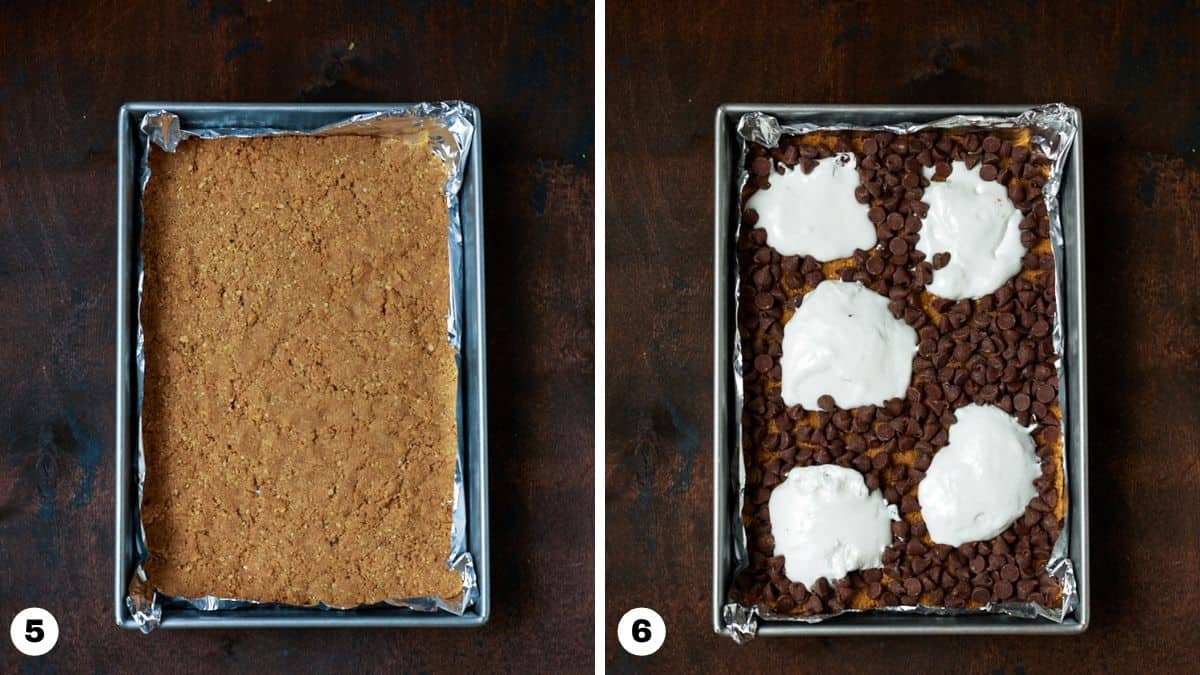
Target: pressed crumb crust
[299, 414]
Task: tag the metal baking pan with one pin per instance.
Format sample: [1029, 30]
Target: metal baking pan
[472, 379]
[725, 453]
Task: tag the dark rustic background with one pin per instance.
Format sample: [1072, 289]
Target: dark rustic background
[1133, 70]
[64, 71]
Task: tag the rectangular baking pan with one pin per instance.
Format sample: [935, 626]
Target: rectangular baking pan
[725, 447]
[472, 374]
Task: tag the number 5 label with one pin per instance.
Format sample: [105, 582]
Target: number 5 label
[641, 631]
[34, 631]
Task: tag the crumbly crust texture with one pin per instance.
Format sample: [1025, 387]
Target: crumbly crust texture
[299, 413]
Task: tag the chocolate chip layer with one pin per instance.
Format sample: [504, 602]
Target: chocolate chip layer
[996, 350]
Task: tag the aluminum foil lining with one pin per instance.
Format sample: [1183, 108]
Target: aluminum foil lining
[1053, 127]
[450, 130]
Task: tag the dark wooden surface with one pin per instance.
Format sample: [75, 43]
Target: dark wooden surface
[64, 72]
[1133, 70]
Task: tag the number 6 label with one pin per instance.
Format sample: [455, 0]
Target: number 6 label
[641, 631]
[34, 631]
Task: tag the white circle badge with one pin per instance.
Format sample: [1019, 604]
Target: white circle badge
[641, 631]
[34, 631]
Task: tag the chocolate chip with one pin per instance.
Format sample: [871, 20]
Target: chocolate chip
[927, 347]
[978, 564]
[1047, 583]
[940, 260]
[981, 595]
[861, 462]
[875, 264]
[1010, 572]
[1021, 402]
[941, 170]
[822, 589]
[813, 605]
[988, 172]
[898, 245]
[762, 278]
[885, 432]
[880, 461]
[761, 166]
[876, 214]
[826, 403]
[890, 494]
[1030, 518]
[912, 586]
[763, 363]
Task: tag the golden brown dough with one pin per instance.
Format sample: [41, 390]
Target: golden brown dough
[299, 414]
